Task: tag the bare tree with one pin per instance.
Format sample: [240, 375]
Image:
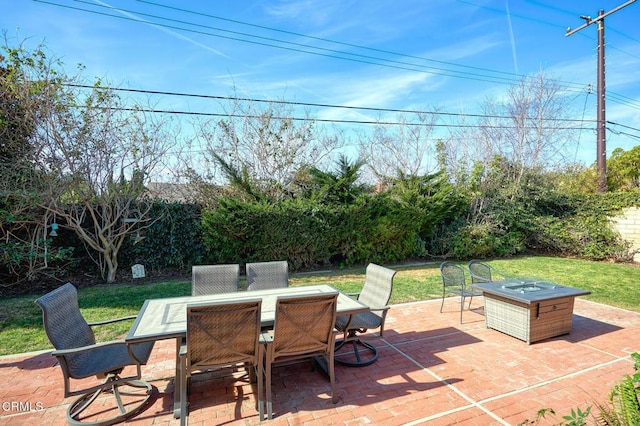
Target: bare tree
[265, 142]
[91, 157]
[406, 147]
[530, 127]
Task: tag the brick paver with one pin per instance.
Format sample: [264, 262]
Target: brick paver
[432, 370]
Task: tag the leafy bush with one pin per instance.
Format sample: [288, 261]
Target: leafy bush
[309, 233]
[623, 407]
[173, 241]
[482, 241]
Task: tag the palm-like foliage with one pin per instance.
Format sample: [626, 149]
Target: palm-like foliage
[340, 186]
[624, 407]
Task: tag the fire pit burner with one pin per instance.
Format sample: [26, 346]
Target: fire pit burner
[527, 287]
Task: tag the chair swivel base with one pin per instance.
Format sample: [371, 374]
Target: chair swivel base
[77, 410]
[358, 347]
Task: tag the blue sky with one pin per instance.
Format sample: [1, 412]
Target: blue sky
[458, 52]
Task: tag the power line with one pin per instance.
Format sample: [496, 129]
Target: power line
[571, 86]
[408, 66]
[327, 40]
[365, 59]
[622, 125]
[617, 132]
[326, 120]
[320, 105]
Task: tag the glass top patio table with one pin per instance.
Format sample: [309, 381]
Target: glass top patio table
[167, 317]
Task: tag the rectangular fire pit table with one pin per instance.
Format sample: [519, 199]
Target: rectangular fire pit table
[527, 309]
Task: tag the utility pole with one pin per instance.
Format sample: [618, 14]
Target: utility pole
[601, 138]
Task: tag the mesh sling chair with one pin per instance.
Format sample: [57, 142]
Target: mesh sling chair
[453, 281]
[480, 272]
[221, 335]
[213, 279]
[375, 293]
[266, 275]
[80, 356]
[303, 328]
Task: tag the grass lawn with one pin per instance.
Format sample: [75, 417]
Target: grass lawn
[612, 284]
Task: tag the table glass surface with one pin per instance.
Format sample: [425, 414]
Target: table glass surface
[167, 317]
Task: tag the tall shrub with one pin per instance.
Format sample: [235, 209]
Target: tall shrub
[309, 233]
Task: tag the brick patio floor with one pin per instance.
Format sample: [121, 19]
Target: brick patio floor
[432, 370]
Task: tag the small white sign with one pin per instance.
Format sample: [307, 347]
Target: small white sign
[137, 271]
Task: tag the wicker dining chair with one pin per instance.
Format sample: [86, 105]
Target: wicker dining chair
[266, 275]
[375, 294]
[221, 335]
[213, 279]
[454, 281]
[303, 328]
[80, 357]
[480, 272]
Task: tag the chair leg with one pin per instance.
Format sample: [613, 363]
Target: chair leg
[267, 375]
[77, 408]
[332, 378]
[183, 390]
[260, 378]
[357, 344]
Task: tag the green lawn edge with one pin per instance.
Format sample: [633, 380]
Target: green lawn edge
[613, 284]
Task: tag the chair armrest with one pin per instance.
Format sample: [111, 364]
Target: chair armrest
[354, 295]
[266, 338]
[109, 321]
[379, 308]
[88, 348]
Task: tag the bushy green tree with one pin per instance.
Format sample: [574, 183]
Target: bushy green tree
[340, 186]
[623, 169]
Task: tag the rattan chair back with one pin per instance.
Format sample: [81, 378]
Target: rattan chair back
[304, 325]
[214, 279]
[266, 275]
[303, 328]
[221, 334]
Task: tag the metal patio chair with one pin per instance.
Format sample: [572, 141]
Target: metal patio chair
[266, 275]
[80, 357]
[213, 279]
[303, 328]
[221, 335]
[454, 281]
[375, 293]
[480, 272]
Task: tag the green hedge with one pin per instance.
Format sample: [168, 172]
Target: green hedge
[173, 241]
[308, 233]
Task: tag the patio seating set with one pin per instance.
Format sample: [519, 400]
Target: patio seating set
[218, 327]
